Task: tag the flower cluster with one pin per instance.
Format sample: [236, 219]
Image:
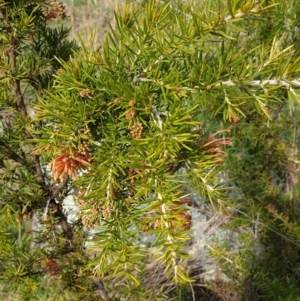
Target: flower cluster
[68, 163]
[212, 146]
[54, 10]
[136, 130]
[106, 212]
[92, 212]
[80, 197]
[117, 100]
[131, 103]
[85, 93]
[91, 218]
[130, 114]
[87, 221]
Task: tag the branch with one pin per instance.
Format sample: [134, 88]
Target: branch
[241, 14]
[54, 193]
[101, 292]
[11, 154]
[6, 116]
[262, 83]
[157, 118]
[12, 56]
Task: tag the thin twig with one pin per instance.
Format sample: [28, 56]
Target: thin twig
[193, 293]
[55, 192]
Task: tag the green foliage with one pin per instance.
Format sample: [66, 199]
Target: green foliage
[29, 51]
[127, 128]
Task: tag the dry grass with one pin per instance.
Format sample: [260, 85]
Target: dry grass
[207, 274]
[89, 15]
